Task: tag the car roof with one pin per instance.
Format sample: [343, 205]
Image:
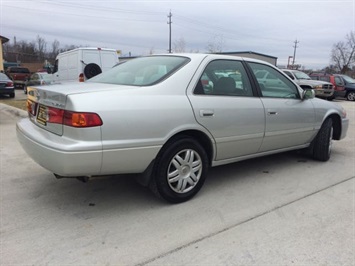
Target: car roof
[200, 56]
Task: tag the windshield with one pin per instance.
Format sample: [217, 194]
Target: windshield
[46, 77]
[348, 79]
[3, 76]
[142, 71]
[301, 75]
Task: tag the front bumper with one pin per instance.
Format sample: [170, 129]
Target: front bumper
[321, 93]
[344, 127]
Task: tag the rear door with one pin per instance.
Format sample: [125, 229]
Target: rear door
[224, 103]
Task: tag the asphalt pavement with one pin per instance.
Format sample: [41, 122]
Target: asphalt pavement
[284, 209]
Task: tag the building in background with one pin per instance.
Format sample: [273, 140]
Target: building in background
[2, 41]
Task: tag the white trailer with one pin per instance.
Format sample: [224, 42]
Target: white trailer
[81, 64]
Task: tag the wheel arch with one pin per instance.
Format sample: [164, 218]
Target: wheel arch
[306, 87]
[202, 138]
[336, 125]
[197, 135]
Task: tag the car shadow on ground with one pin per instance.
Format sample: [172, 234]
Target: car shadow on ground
[114, 193]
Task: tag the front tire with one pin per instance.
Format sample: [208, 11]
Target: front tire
[180, 170]
[322, 144]
[350, 96]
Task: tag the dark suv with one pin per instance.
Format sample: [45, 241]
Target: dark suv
[344, 86]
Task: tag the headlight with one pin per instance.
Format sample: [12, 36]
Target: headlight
[343, 112]
[317, 87]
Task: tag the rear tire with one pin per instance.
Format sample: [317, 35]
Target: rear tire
[350, 96]
[180, 170]
[322, 144]
[12, 95]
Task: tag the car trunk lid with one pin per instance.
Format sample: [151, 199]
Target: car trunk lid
[46, 105]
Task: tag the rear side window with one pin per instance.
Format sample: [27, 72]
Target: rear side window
[273, 84]
[143, 71]
[224, 77]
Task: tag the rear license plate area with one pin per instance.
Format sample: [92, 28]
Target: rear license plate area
[42, 115]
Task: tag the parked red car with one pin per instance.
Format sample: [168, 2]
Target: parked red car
[339, 86]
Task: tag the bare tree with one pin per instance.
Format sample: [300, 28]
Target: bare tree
[179, 45]
[41, 48]
[216, 44]
[343, 53]
[54, 51]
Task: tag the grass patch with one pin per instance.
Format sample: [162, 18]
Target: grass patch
[21, 104]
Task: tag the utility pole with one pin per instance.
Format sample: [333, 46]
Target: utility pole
[294, 53]
[169, 22]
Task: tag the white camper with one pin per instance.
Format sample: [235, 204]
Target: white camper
[83, 63]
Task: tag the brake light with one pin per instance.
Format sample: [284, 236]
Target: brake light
[55, 115]
[75, 119]
[9, 84]
[67, 118]
[81, 77]
[31, 107]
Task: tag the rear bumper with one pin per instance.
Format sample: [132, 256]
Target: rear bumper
[56, 154]
[70, 158]
[6, 91]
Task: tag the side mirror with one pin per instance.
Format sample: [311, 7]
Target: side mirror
[308, 94]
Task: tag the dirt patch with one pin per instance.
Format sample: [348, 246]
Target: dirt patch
[21, 104]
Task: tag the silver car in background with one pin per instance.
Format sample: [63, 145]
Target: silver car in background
[158, 117]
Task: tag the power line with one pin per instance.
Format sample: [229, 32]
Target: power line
[294, 52]
[169, 22]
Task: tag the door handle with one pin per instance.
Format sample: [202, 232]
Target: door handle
[272, 113]
[205, 113]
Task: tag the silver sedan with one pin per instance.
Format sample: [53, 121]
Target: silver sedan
[171, 117]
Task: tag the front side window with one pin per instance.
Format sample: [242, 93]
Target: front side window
[273, 84]
[143, 71]
[338, 81]
[325, 78]
[224, 77]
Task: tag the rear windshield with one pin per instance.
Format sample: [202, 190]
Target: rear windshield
[143, 71]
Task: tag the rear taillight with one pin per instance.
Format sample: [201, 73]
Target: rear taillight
[76, 119]
[67, 118]
[81, 77]
[55, 115]
[31, 107]
[9, 84]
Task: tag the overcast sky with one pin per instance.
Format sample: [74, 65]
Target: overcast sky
[138, 27]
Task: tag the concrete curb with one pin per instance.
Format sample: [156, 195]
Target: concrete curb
[13, 111]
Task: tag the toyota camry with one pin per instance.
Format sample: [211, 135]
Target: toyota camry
[169, 118]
